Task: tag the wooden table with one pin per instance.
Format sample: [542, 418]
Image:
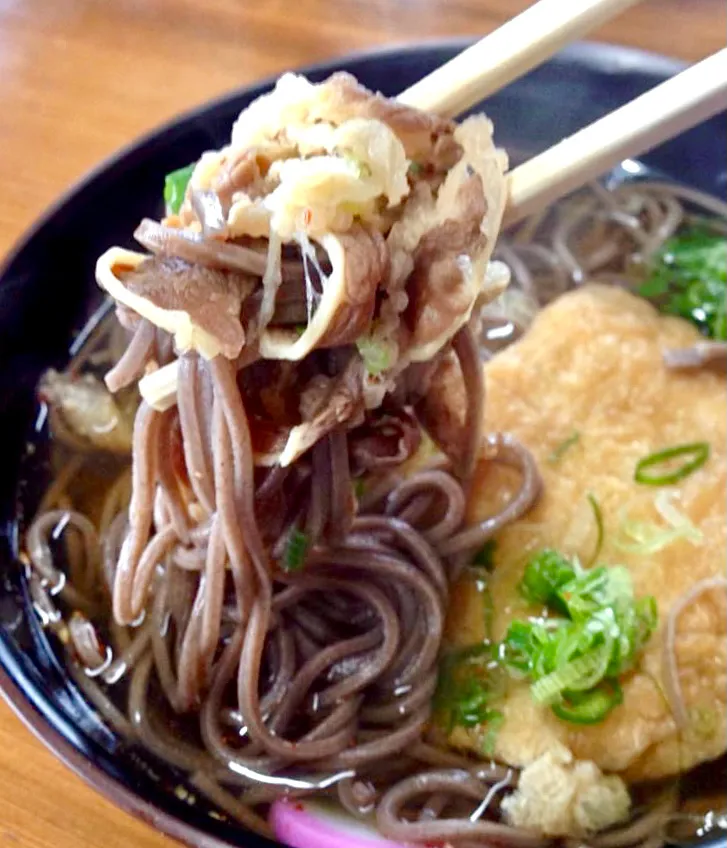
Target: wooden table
[79, 78]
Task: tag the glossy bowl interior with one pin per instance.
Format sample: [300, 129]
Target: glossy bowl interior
[47, 291]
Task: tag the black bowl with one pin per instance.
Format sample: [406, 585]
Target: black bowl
[47, 291]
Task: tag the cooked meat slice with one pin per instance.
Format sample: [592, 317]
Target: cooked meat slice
[440, 289]
[442, 407]
[325, 403]
[200, 306]
[343, 310]
[231, 172]
[242, 171]
[343, 98]
[198, 249]
[386, 439]
[441, 245]
[330, 166]
[211, 298]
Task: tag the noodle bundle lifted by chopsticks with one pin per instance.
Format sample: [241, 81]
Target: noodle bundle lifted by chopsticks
[335, 217]
[316, 275]
[287, 591]
[315, 278]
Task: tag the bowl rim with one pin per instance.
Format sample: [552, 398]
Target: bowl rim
[608, 57]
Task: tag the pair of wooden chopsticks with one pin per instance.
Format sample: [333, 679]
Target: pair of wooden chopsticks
[524, 42]
[516, 47]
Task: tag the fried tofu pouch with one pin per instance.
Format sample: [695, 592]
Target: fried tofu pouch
[589, 372]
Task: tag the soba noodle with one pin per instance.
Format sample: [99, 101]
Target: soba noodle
[320, 680]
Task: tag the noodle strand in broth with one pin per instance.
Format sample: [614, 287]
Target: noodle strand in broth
[263, 679]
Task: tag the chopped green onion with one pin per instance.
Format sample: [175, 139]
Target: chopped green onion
[523, 642]
[495, 721]
[375, 354]
[488, 609]
[698, 453]
[415, 169]
[580, 674]
[359, 487]
[466, 687]
[175, 187]
[664, 503]
[545, 573]
[646, 538]
[565, 445]
[688, 277]
[647, 618]
[598, 516]
[574, 659]
[596, 590]
[485, 557]
[591, 707]
[295, 550]
[472, 707]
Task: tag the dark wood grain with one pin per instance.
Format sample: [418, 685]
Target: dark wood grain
[79, 78]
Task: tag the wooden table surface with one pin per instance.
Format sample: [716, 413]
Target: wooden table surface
[79, 78]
